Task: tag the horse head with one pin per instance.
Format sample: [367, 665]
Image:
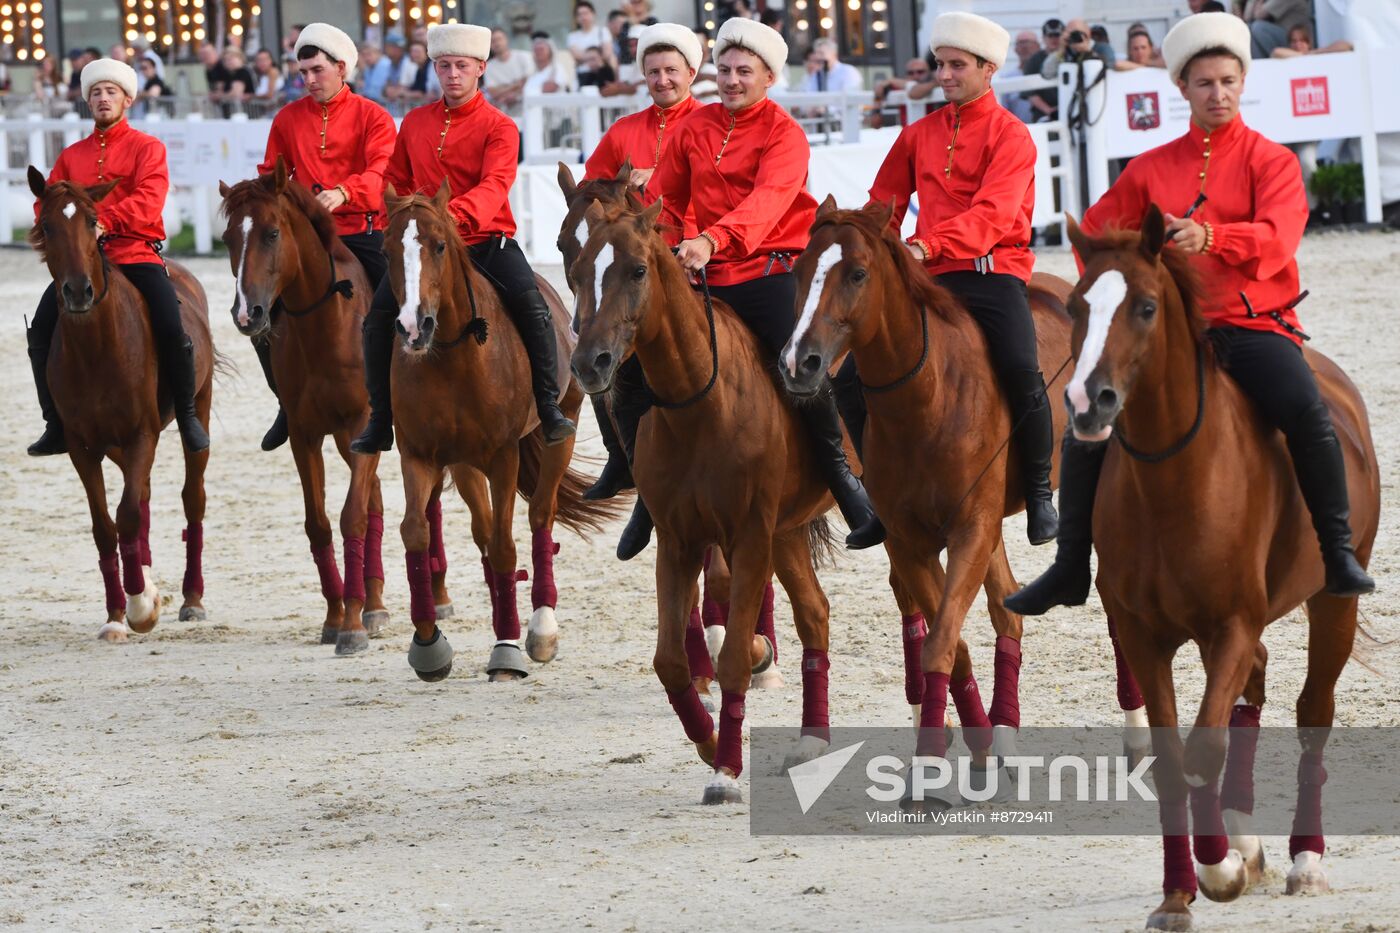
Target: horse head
[266, 219]
[65, 234]
[425, 254]
[1129, 287]
[610, 192]
[853, 270]
[615, 272]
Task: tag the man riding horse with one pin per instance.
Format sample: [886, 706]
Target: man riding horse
[337, 144]
[465, 140]
[972, 163]
[1250, 209]
[130, 229]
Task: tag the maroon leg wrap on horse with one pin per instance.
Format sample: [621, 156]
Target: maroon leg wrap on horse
[1238, 790]
[914, 632]
[1178, 873]
[133, 580]
[490, 582]
[420, 587]
[765, 620]
[436, 549]
[1307, 819]
[112, 581]
[816, 717]
[543, 592]
[1129, 696]
[331, 587]
[1006, 689]
[696, 653]
[976, 727]
[933, 741]
[355, 569]
[146, 533]
[714, 612]
[694, 719]
[374, 547]
[1207, 826]
[505, 618]
[731, 733]
[194, 559]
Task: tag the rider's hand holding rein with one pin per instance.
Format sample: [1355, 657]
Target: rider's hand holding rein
[694, 254]
[1185, 233]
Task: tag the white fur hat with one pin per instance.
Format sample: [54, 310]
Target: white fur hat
[459, 39]
[972, 33]
[109, 69]
[1194, 34]
[682, 38]
[335, 43]
[763, 41]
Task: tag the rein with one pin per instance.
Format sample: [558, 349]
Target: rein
[477, 326]
[344, 287]
[714, 354]
[1190, 434]
[918, 367]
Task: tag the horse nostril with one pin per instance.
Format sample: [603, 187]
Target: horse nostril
[87, 291]
[256, 312]
[810, 364]
[1107, 398]
[602, 362]
[428, 325]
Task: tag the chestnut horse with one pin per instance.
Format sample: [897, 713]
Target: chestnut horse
[1246, 557]
[103, 375]
[286, 257]
[462, 400]
[933, 447]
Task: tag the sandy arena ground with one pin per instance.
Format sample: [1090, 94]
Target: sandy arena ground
[234, 774]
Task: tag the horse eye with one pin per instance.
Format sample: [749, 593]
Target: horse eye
[859, 275]
[639, 273]
[1147, 309]
[440, 248]
[273, 234]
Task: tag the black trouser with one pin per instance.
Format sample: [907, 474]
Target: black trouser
[1271, 370]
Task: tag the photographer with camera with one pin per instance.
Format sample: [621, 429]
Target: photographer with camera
[1078, 46]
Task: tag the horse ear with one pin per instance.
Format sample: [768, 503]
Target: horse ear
[37, 184]
[594, 213]
[881, 211]
[224, 189]
[624, 174]
[98, 192]
[279, 176]
[391, 198]
[443, 196]
[1154, 232]
[566, 181]
[646, 220]
[1077, 237]
[827, 206]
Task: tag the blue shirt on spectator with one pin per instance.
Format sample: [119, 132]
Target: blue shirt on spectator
[373, 80]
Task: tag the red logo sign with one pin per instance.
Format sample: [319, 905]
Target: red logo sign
[1144, 112]
[1310, 97]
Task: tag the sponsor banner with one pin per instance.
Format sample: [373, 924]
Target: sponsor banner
[205, 152]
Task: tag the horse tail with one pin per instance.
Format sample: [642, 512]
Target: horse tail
[224, 366]
[575, 512]
[821, 541]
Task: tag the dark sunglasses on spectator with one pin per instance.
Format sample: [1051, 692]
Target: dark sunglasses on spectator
[917, 73]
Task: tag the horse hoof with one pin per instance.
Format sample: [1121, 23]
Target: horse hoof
[112, 632]
[376, 621]
[722, 789]
[143, 609]
[1307, 876]
[1172, 920]
[1225, 880]
[445, 611]
[329, 634]
[542, 636]
[507, 663]
[193, 614]
[348, 643]
[431, 660]
[771, 679]
[1240, 828]
[808, 748]
[714, 641]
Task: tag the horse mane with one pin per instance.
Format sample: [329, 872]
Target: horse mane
[263, 190]
[917, 283]
[80, 197]
[1179, 268]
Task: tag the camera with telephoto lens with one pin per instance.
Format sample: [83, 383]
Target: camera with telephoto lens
[1078, 37]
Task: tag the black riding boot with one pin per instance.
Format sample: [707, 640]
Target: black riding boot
[377, 338]
[1035, 441]
[631, 400]
[1322, 477]
[536, 326]
[616, 475]
[276, 435]
[1067, 581]
[824, 426]
[177, 362]
[850, 402]
[51, 441]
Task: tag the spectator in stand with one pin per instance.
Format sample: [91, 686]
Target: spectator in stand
[1100, 34]
[374, 69]
[397, 54]
[153, 87]
[554, 69]
[916, 71]
[638, 12]
[78, 60]
[629, 76]
[1078, 46]
[589, 33]
[119, 53]
[775, 20]
[48, 81]
[143, 49]
[1045, 104]
[506, 74]
[593, 71]
[739, 9]
[826, 72]
[269, 80]
[418, 77]
[419, 34]
[705, 88]
[1300, 42]
[240, 83]
[1141, 52]
[1270, 21]
[1025, 47]
[617, 29]
[289, 41]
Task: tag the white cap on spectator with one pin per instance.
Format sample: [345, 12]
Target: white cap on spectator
[109, 69]
[459, 39]
[635, 31]
[1194, 34]
[763, 41]
[334, 42]
[681, 38]
[971, 33]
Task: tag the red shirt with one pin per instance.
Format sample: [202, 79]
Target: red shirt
[475, 148]
[1255, 204]
[745, 176]
[131, 213]
[345, 142]
[973, 167]
[641, 137]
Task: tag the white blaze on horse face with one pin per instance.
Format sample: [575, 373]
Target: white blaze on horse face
[70, 209]
[600, 267]
[412, 274]
[581, 233]
[1103, 297]
[829, 258]
[246, 227]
